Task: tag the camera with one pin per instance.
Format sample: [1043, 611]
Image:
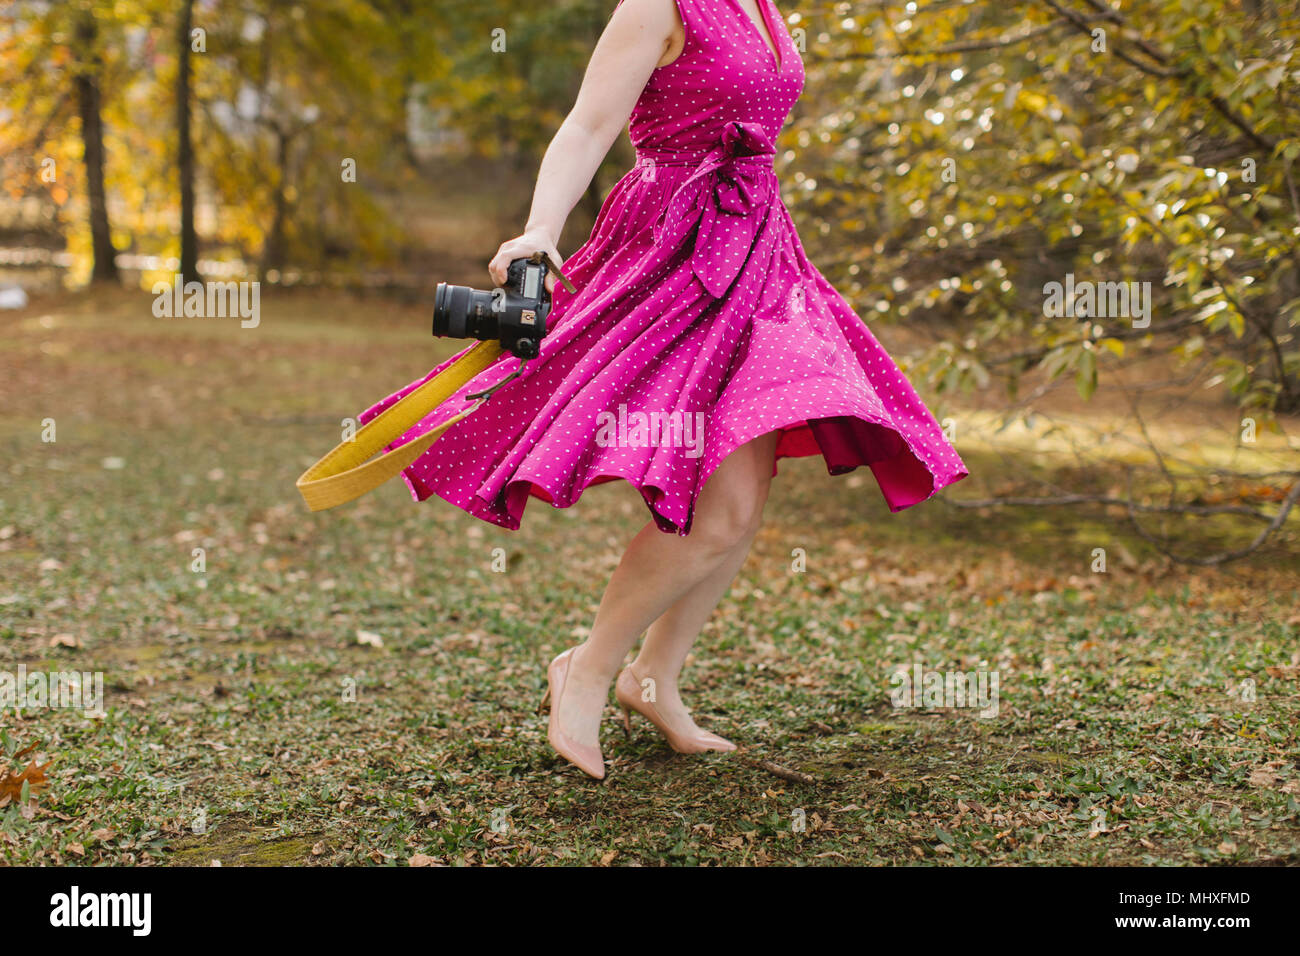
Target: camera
[516, 314]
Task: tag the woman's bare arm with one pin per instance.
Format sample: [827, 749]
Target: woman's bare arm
[635, 40]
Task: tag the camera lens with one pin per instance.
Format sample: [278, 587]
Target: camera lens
[462, 312]
[450, 310]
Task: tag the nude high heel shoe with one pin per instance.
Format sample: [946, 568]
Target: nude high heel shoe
[628, 691]
[587, 759]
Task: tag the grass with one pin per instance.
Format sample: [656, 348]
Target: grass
[246, 722]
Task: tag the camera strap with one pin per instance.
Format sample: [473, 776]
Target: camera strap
[349, 471]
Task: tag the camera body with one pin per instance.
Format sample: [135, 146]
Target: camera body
[515, 314]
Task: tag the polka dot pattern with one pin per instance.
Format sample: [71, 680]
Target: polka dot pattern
[746, 332]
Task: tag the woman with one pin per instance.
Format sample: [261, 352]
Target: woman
[694, 303]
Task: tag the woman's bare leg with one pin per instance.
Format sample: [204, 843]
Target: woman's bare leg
[657, 570]
[673, 634]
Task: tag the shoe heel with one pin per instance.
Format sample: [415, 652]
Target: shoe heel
[546, 698]
[627, 722]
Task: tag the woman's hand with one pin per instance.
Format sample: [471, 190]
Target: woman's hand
[521, 247]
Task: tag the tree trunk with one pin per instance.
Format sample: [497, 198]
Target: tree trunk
[185, 153]
[273, 251]
[104, 256]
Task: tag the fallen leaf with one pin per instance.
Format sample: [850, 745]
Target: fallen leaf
[11, 784]
[1263, 777]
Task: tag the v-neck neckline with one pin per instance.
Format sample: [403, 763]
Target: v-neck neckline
[773, 51]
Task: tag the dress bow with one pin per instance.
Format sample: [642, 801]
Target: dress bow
[723, 196]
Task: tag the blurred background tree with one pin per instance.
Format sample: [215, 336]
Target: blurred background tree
[1155, 144]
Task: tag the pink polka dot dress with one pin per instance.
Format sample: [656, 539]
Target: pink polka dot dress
[698, 323]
